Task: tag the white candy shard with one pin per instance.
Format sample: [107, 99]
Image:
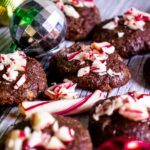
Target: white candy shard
[112, 24]
[134, 112]
[89, 3]
[99, 67]
[104, 46]
[65, 134]
[76, 3]
[79, 55]
[20, 82]
[55, 143]
[120, 34]
[83, 71]
[41, 120]
[70, 11]
[1, 67]
[11, 76]
[35, 139]
[55, 126]
[112, 73]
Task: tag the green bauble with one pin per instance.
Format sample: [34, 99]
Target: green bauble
[37, 26]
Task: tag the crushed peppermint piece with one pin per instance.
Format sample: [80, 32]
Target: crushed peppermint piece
[65, 134]
[1, 67]
[99, 67]
[88, 3]
[112, 73]
[10, 76]
[132, 105]
[64, 90]
[98, 53]
[68, 6]
[120, 34]
[104, 46]
[13, 63]
[41, 120]
[20, 82]
[55, 126]
[135, 19]
[134, 112]
[16, 138]
[35, 139]
[70, 11]
[112, 24]
[76, 56]
[55, 143]
[56, 139]
[83, 71]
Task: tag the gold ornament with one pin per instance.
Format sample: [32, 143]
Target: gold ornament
[6, 9]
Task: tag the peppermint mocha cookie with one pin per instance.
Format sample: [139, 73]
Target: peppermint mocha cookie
[95, 66]
[124, 143]
[125, 115]
[146, 70]
[130, 34]
[47, 132]
[21, 78]
[82, 16]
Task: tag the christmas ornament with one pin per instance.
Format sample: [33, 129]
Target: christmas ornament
[37, 26]
[6, 9]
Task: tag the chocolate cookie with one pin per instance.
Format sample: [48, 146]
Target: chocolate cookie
[130, 34]
[146, 71]
[124, 115]
[22, 78]
[123, 143]
[46, 132]
[82, 16]
[95, 66]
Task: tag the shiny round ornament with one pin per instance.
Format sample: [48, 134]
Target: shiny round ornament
[37, 26]
[6, 9]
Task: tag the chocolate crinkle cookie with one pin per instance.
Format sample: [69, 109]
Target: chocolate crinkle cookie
[146, 71]
[130, 33]
[81, 15]
[95, 66]
[121, 116]
[47, 132]
[21, 78]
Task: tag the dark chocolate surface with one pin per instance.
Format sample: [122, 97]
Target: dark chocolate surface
[132, 43]
[61, 68]
[36, 83]
[79, 29]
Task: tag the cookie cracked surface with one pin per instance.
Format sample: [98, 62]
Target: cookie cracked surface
[95, 66]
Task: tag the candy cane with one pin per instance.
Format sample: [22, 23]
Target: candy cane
[62, 107]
